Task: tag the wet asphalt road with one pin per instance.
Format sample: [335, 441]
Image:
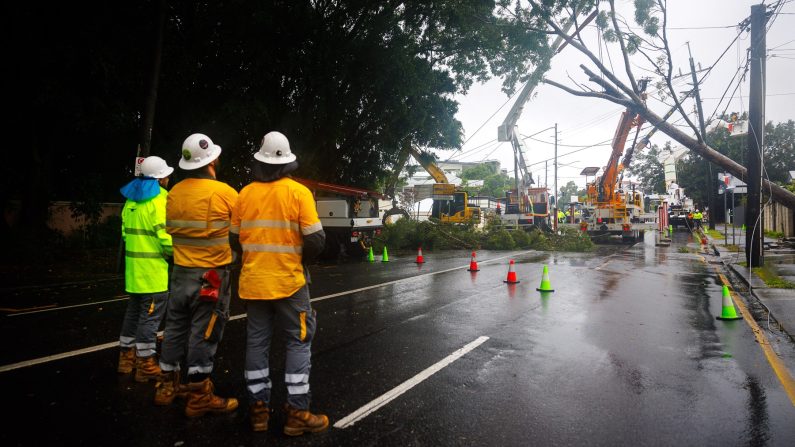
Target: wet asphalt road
[626, 351]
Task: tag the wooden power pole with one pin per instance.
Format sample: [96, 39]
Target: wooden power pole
[154, 78]
[710, 180]
[756, 130]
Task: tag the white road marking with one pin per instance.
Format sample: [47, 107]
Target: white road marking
[63, 355]
[52, 358]
[121, 298]
[604, 264]
[387, 397]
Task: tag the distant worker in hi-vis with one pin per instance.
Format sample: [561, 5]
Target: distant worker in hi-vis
[198, 217]
[276, 228]
[147, 249]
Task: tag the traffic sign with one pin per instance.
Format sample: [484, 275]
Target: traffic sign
[138, 161]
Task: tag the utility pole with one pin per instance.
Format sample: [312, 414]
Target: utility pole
[556, 178]
[154, 78]
[546, 175]
[756, 130]
[703, 128]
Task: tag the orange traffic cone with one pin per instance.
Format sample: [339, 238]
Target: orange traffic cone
[473, 264]
[511, 274]
[420, 259]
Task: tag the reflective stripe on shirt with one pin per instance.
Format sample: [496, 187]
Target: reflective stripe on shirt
[315, 227]
[215, 224]
[200, 242]
[143, 254]
[265, 223]
[271, 248]
[140, 232]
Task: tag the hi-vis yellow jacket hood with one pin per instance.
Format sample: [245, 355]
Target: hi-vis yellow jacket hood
[272, 220]
[197, 217]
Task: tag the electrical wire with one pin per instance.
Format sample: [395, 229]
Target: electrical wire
[489, 119]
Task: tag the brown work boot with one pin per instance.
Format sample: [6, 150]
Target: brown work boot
[259, 414]
[302, 421]
[201, 400]
[168, 387]
[126, 360]
[146, 369]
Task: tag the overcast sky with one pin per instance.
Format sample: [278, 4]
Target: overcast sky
[586, 121]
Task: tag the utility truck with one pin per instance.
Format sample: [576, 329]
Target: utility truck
[527, 206]
[349, 217]
[611, 208]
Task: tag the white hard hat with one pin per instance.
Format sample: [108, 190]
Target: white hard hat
[198, 150]
[155, 167]
[275, 149]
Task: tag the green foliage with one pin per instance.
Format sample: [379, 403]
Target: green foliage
[567, 191]
[770, 276]
[774, 234]
[683, 250]
[693, 171]
[648, 168]
[496, 185]
[570, 239]
[500, 240]
[481, 171]
[643, 16]
[407, 234]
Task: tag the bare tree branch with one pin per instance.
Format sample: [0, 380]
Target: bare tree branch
[651, 61]
[623, 102]
[584, 50]
[624, 53]
[668, 80]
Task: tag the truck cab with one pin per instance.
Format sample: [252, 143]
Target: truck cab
[459, 210]
[350, 217]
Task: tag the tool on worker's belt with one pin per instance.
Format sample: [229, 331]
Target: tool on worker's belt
[210, 284]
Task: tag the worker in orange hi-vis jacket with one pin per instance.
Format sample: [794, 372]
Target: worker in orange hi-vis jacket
[198, 215]
[276, 229]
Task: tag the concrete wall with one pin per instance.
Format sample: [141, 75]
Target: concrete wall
[60, 216]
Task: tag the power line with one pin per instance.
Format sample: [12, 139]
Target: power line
[488, 119]
[769, 94]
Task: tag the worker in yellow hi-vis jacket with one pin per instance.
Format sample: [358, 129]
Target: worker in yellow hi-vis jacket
[147, 250]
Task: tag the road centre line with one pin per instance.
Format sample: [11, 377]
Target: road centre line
[387, 397]
[52, 358]
[325, 297]
[63, 355]
[121, 298]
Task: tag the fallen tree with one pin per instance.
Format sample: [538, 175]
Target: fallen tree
[626, 92]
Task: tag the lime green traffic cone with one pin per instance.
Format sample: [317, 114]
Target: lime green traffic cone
[545, 285]
[727, 311]
[385, 257]
[743, 227]
[370, 256]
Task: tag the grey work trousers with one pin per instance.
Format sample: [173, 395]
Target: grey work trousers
[194, 327]
[141, 321]
[298, 319]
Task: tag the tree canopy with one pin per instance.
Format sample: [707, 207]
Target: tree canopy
[347, 81]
